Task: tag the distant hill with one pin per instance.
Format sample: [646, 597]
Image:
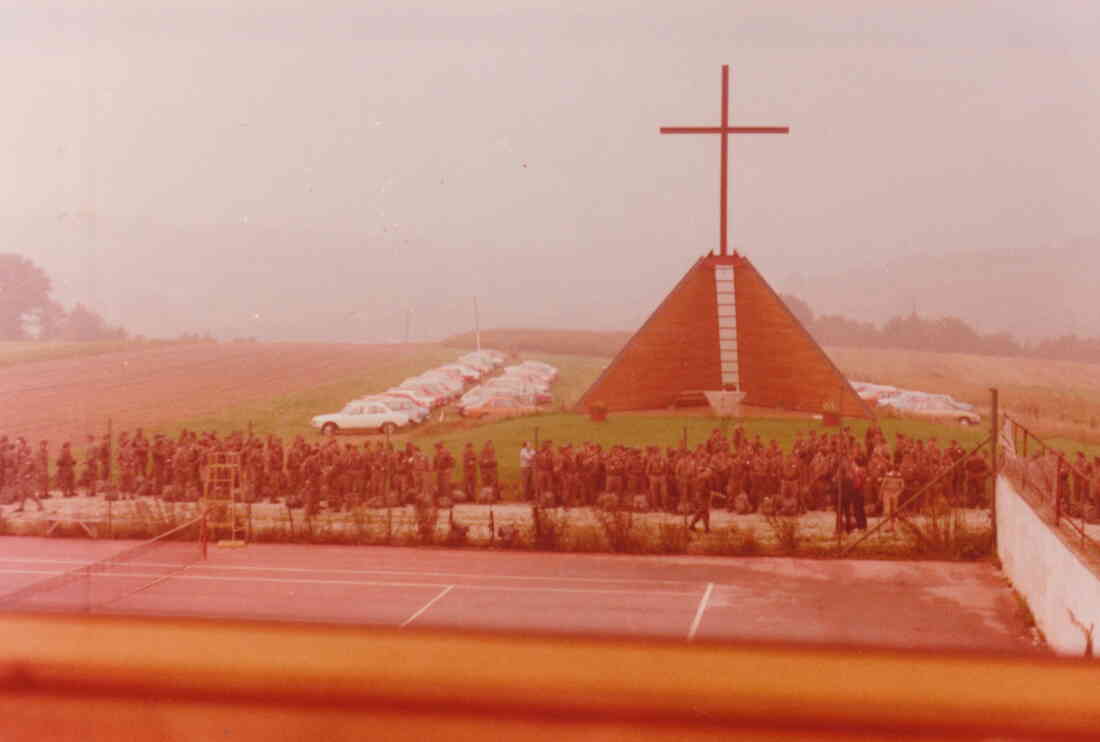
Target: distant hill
[573, 342]
[1032, 293]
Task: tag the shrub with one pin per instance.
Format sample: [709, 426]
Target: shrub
[672, 538]
[785, 530]
[427, 516]
[586, 539]
[618, 530]
[732, 541]
[547, 530]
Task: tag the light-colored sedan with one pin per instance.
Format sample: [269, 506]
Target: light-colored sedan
[498, 407]
[415, 412]
[936, 408]
[359, 416]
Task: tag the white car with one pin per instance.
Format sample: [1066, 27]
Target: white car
[361, 416]
[415, 412]
[469, 373]
[418, 398]
[935, 407]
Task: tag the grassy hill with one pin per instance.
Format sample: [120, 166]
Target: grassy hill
[16, 352]
[1057, 399]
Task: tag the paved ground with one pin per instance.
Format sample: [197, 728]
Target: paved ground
[899, 604]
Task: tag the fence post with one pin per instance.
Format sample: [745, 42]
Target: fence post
[1057, 494]
[994, 448]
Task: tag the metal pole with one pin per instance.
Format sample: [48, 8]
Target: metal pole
[994, 448]
[724, 186]
[477, 326]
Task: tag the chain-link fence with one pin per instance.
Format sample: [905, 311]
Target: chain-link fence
[1064, 490]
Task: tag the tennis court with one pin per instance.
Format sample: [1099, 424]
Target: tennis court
[900, 604]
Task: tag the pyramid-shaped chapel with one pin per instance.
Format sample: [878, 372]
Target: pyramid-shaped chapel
[724, 328]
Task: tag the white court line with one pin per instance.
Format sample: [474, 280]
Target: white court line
[369, 583]
[463, 575]
[427, 605]
[699, 613]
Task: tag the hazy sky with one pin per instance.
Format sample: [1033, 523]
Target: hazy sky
[299, 170]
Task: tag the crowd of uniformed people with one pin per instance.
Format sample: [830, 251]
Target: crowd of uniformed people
[736, 471]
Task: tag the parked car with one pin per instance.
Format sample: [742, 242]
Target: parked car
[515, 388]
[936, 408]
[436, 392]
[482, 359]
[469, 373]
[498, 406]
[361, 416]
[450, 383]
[415, 412]
[415, 396]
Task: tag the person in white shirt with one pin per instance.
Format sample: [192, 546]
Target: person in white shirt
[527, 468]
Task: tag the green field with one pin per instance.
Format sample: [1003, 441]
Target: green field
[289, 416]
[15, 352]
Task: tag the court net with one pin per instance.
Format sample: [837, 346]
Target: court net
[104, 584]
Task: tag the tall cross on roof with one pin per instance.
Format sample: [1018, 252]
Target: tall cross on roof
[725, 130]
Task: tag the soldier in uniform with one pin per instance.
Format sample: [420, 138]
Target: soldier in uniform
[443, 464]
[28, 474]
[140, 445]
[892, 487]
[469, 471]
[380, 470]
[788, 484]
[637, 483]
[488, 464]
[685, 478]
[160, 456]
[105, 457]
[701, 493]
[565, 470]
[403, 473]
[1094, 488]
[42, 469]
[294, 459]
[591, 465]
[656, 468]
[66, 471]
[275, 468]
[977, 471]
[90, 476]
[421, 467]
[126, 473]
[5, 464]
[544, 470]
[311, 480]
[615, 468]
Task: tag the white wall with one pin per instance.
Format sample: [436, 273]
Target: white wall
[1047, 573]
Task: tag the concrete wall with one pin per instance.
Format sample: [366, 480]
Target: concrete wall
[1052, 577]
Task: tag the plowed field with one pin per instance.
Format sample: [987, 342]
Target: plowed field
[66, 399]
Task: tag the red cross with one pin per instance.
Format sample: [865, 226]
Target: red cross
[725, 130]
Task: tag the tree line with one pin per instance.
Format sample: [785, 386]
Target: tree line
[940, 335]
[28, 312]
